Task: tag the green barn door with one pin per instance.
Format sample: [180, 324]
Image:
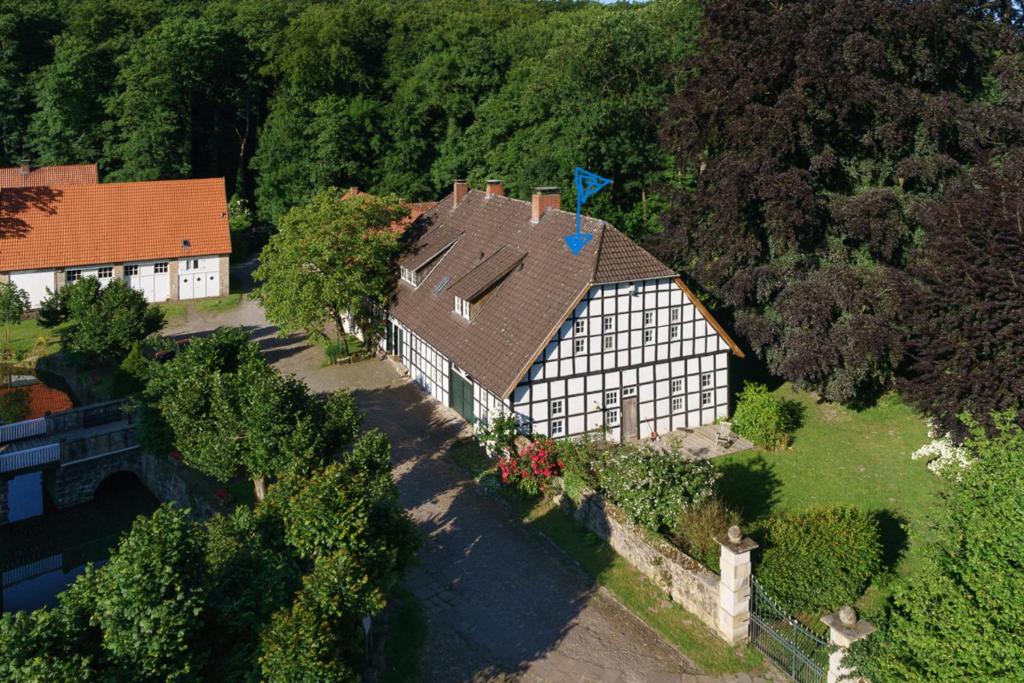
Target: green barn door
[461, 395]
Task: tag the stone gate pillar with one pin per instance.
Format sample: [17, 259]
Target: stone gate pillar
[734, 586]
[844, 630]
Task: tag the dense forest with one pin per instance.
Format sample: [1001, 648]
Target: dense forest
[838, 178]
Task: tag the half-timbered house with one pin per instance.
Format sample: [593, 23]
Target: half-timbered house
[494, 314]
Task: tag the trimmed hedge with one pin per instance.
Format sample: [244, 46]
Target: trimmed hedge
[818, 559]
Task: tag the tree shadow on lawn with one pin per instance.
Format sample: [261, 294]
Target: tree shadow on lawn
[892, 532]
[749, 486]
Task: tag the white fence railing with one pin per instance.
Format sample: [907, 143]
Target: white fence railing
[22, 430]
[12, 461]
[32, 570]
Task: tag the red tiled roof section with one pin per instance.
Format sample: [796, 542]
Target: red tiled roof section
[79, 174]
[510, 329]
[416, 209]
[72, 225]
[41, 399]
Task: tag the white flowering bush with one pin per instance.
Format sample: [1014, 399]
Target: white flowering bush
[498, 435]
[654, 487]
[944, 457]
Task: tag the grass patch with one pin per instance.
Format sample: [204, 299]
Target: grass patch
[29, 339]
[607, 569]
[338, 349]
[406, 636]
[842, 456]
[175, 310]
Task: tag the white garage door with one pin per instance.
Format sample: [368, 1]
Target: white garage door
[35, 282]
[198, 278]
[152, 279]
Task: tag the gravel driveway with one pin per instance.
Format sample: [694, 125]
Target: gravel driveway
[501, 604]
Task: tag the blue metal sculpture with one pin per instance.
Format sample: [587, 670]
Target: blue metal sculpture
[587, 185]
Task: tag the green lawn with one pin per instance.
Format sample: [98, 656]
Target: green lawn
[607, 569]
[179, 309]
[842, 456]
[405, 637]
[29, 339]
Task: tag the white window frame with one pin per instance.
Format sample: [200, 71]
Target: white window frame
[677, 404]
[611, 398]
[705, 380]
[609, 323]
[109, 272]
[131, 270]
[72, 276]
[628, 392]
[558, 428]
[611, 417]
[648, 318]
[648, 336]
[408, 275]
[706, 399]
[556, 407]
[675, 314]
[161, 267]
[579, 345]
[462, 307]
[677, 385]
[580, 326]
[609, 342]
[673, 332]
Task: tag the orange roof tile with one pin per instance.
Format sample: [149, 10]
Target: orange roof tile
[416, 209]
[72, 225]
[79, 174]
[41, 399]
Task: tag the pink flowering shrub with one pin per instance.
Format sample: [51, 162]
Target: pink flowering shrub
[531, 467]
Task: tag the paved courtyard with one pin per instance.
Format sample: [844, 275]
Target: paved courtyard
[501, 604]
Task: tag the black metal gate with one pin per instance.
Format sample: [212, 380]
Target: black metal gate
[782, 639]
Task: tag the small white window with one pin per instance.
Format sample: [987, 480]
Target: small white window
[409, 276]
[677, 386]
[673, 332]
[677, 404]
[195, 264]
[131, 270]
[648, 336]
[609, 342]
[580, 327]
[557, 427]
[579, 346]
[557, 407]
[609, 323]
[611, 398]
[675, 314]
[72, 276]
[628, 391]
[705, 380]
[648, 318]
[462, 307]
[705, 398]
[160, 267]
[611, 417]
[105, 273]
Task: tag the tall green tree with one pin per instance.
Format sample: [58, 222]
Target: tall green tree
[332, 257]
[229, 412]
[13, 305]
[960, 618]
[804, 137]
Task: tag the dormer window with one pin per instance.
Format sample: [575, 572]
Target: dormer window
[462, 307]
[415, 273]
[409, 276]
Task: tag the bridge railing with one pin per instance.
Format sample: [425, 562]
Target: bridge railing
[22, 430]
[86, 416]
[29, 458]
[32, 570]
[96, 445]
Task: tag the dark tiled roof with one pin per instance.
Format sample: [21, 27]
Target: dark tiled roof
[486, 273]
[621, 260]
[510, 328]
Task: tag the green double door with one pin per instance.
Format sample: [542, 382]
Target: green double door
[461, 395]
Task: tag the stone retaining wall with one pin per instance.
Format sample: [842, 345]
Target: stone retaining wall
[685, 580]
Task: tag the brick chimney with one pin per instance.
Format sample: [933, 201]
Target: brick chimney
[495, 188]
[459, 191]
[544, 198]
[26, 168]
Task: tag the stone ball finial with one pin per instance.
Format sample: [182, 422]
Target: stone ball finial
[847, 615]
[735, 534]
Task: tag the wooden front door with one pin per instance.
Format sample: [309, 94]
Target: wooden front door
[461, 395]
[630, 418]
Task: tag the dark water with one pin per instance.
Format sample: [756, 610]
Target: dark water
[43, 552]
